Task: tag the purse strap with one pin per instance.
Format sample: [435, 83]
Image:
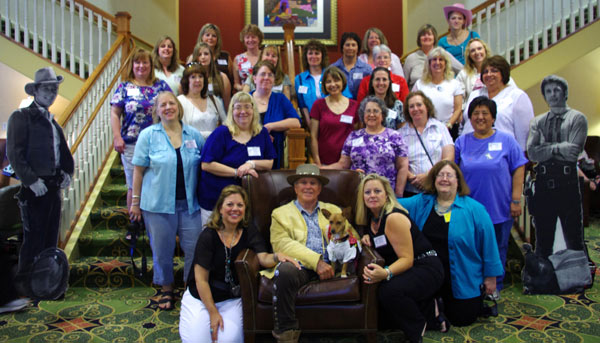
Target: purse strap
[423, 145]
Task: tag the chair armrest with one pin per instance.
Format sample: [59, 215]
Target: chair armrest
[247, 268]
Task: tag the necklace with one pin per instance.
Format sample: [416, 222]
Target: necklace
[440, 210]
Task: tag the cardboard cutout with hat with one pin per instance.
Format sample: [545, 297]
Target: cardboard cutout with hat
[40, 157]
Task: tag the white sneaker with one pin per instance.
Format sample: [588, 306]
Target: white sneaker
[15, 305]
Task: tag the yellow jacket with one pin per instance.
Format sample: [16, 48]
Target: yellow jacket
[289, 233]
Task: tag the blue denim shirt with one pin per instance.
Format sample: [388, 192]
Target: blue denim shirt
[472, 247]
[314, 237]
[354, 75]
[154, 151]
[308, 98]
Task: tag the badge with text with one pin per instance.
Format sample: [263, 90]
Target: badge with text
[395, 87]
[357, 76]
[210, 87]
[303, 90]
[380, 241]
[392, 114]
[133, 92]
[344, 118]
[278, 89]
[253, 151]
[190, 144]
[247, 65]
[222, 62]
[495, 146]
[358, 142]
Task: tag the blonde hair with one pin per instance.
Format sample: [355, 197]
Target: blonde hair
[279, 75]
[470, 67]
[255, 126]
[214, 76]
[390, 203]
[213, 27]
[215, 221]
[140, 54]
[437, 52]
[155, 116]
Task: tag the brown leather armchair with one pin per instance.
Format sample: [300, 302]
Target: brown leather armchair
[336, 305]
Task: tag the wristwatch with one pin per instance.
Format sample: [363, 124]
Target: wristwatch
[516, 202]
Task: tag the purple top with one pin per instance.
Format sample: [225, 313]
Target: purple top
[376, 153]
[136, 103]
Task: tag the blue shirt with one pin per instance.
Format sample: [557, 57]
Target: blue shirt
[458, 51]
[354, 75]
[279, 108]
[472, 248]
[154, 151]
[308, 97]
[220, 147]
[488, 165]
[314, 237]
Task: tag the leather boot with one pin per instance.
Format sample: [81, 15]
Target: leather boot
[289, 336]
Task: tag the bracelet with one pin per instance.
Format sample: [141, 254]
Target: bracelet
[390, 275]
[235, 175]
[138, 205]
[275, 257]
[252, 164]
[516, 202]
[135, 196]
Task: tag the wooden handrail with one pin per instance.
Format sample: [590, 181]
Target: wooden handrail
[100, 104]
[68, 113]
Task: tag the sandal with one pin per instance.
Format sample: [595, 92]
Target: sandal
[444, 323]
[167, 298]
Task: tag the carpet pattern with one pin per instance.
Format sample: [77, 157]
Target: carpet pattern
[106, 303]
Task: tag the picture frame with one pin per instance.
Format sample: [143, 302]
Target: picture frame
[314, 19]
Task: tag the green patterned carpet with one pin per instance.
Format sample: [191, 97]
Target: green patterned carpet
[105, 303]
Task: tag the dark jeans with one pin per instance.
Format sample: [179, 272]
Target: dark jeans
[41, 217]
[8, 292]
[550, 204]
[408, 298]
[287, 281]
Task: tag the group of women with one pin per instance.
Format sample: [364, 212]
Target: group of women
[424, 152]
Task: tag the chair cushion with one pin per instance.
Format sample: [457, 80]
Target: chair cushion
[317, 292]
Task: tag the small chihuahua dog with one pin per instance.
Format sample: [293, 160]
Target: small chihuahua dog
[343, 242]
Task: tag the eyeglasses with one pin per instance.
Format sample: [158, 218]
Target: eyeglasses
[239, 107]
[448, 176]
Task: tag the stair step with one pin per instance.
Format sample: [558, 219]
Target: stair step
[116, 216]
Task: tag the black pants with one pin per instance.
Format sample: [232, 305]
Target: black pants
[563, 201]
[408, 299]
[41, 217]
[287, 281]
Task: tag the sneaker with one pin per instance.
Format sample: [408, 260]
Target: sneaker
[15, 305]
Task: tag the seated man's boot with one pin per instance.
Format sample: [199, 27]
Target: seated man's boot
[289, 336]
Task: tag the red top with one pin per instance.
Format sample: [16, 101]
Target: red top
[401, 94]
[333, 129]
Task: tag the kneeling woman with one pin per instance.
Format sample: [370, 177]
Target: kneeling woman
[211, 307]
[413, 273]
[460, 230]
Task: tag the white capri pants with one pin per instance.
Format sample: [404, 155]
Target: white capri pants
[194, 320]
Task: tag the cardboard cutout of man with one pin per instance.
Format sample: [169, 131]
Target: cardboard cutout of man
[41, 159]
[556, 139]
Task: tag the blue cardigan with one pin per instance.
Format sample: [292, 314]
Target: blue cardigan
[472, 247]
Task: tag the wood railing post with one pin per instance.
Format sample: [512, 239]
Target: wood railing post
[123, 20]
[288, 36]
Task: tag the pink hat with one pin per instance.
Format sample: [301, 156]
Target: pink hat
[460, 8]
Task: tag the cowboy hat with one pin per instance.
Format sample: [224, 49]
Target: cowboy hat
[460, 8]
[43, 76]
[307, 170]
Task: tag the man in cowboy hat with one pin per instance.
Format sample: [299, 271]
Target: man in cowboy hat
[298, 230]
[41, 159]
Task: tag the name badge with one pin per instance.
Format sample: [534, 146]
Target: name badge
[357, 76]
[447, 217]
[190, 144]
[496, 146]
[392, 114]
[278, 88]
[380, 241]
[133, 92]
[395, 87]
[303, 90]
[346, 119]
[210, 87]
[253, 151]
[358, 142]
[247, 65]
[222, 62]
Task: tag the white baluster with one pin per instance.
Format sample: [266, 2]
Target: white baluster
[590, 7]
[563, 22]
[517, 39]
[54, 52]
[507, 31]
[526, 36]
[72, 30]
[25, 25]
[99, 38]
[573, 19]
[488, 19]
[36, 46]
[81, 42]
[581, 14]
[7, 21]
[109, 30]
[44, 37]
[91, 40]
[17, 36]
[535, 27]
[497, 30]
[63, 52]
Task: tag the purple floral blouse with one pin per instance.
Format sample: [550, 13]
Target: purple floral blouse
[136, 103]
[375, 153]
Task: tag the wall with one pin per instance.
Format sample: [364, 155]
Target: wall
[150, 18]
[353, 15]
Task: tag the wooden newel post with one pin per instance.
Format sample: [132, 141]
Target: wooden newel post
[123, 28]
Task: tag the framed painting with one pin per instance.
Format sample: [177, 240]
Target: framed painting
[314, 19]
